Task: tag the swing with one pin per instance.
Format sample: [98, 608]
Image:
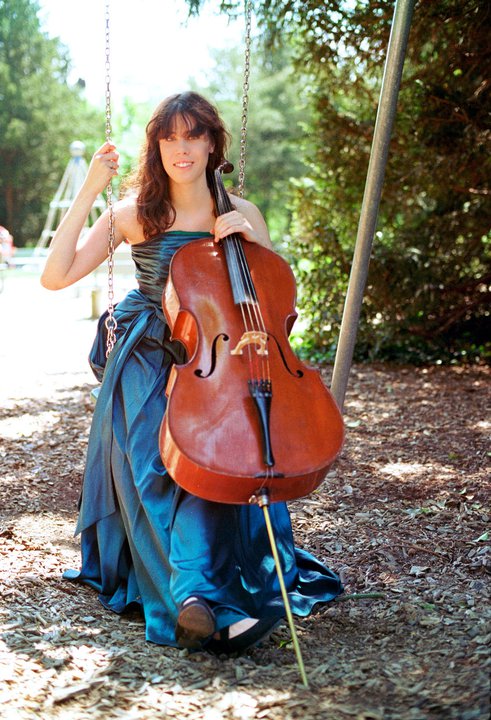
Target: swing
[111, 322]
[385, 117]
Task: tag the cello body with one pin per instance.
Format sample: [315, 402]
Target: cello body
[218, 439]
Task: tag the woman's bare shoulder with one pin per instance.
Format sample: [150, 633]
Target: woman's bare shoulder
[239, 202]
[125, 208]
[246, 207]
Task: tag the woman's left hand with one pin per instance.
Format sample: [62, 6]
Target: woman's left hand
[234, 222]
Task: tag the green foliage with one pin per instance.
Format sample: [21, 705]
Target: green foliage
[428, 289]
[429, 284]
[40, 115]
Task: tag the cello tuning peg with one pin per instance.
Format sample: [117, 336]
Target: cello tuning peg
[226, 167]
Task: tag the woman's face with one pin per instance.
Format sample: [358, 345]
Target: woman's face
[185, 152]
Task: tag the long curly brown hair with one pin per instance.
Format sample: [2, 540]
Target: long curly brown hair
[154, 208]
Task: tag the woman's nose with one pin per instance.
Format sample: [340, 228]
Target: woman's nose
[183, 144]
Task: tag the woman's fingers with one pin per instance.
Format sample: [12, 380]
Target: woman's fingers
[103, 166]
[106, 147]
[107, 159]
[233, 222]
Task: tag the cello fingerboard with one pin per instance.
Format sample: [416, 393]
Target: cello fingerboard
[238, 270]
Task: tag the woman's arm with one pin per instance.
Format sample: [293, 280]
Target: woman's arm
[71, 258]
[246, 220]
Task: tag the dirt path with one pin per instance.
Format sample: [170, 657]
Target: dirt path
[402, 517]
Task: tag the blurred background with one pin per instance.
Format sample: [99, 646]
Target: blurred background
[316, 71]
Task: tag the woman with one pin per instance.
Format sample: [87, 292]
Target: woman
[201, 572]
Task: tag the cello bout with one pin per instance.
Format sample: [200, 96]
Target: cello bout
[227, 434]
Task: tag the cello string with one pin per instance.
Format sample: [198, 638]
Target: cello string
[249, 307]
[255, 312]
[224, 205]
[241, 279]
[247, 319]
[249, 284]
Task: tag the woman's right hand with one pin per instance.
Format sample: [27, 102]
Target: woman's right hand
[72, 257]
[103, 166]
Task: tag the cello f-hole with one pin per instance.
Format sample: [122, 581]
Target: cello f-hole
[199, 372]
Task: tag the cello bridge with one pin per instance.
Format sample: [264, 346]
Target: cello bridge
[252, 337]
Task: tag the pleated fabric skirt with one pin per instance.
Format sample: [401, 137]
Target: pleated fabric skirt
[147, 543]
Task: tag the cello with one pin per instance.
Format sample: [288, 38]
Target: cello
[244, 416]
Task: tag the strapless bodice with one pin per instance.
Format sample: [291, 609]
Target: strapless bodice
[152, 259]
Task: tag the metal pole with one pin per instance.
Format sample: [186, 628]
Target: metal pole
[371, 198]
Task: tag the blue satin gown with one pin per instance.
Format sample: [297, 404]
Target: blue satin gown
[146, 542]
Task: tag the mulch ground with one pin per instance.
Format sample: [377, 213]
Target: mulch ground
[402, 517]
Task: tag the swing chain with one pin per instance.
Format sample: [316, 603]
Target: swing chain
[245, 95]
[110, 322]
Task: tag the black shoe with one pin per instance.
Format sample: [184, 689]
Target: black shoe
[195, 623]
[242, 642]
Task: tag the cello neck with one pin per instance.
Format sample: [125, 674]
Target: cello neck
[222, 200]
[238, 270]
